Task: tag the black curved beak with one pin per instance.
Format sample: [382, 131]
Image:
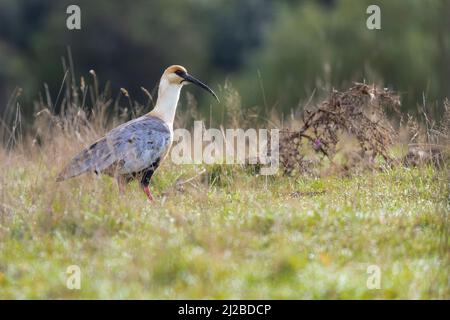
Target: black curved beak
[187, 77]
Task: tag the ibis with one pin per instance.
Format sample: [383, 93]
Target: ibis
[135, 149]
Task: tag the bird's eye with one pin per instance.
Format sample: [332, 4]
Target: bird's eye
[180, 73]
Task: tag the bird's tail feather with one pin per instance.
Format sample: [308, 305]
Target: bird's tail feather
[95, 157]
[79, 165]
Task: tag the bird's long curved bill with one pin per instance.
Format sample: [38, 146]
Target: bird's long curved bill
[189, 78]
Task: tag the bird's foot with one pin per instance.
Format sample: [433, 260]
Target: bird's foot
[149, 194]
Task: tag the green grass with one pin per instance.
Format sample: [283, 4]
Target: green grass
[242, 236]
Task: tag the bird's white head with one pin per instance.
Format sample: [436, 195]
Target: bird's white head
[172, 80]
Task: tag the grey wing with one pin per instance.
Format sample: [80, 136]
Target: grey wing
[131, 147]
[139, 144]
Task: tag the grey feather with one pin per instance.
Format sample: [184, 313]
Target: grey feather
[130, 147]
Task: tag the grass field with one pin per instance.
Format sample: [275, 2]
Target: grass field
[229, 234]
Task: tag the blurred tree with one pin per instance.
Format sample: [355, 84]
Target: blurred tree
[276, 52]
[310, 47]
[129, 44]
[239, 27]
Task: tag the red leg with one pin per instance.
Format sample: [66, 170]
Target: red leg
[148, 193]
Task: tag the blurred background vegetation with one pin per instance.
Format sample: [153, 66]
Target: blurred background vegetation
[275, 53]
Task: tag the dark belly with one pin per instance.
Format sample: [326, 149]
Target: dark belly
[144, 175]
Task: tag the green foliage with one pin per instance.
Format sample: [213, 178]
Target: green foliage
[309, 47]
[277, 52]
